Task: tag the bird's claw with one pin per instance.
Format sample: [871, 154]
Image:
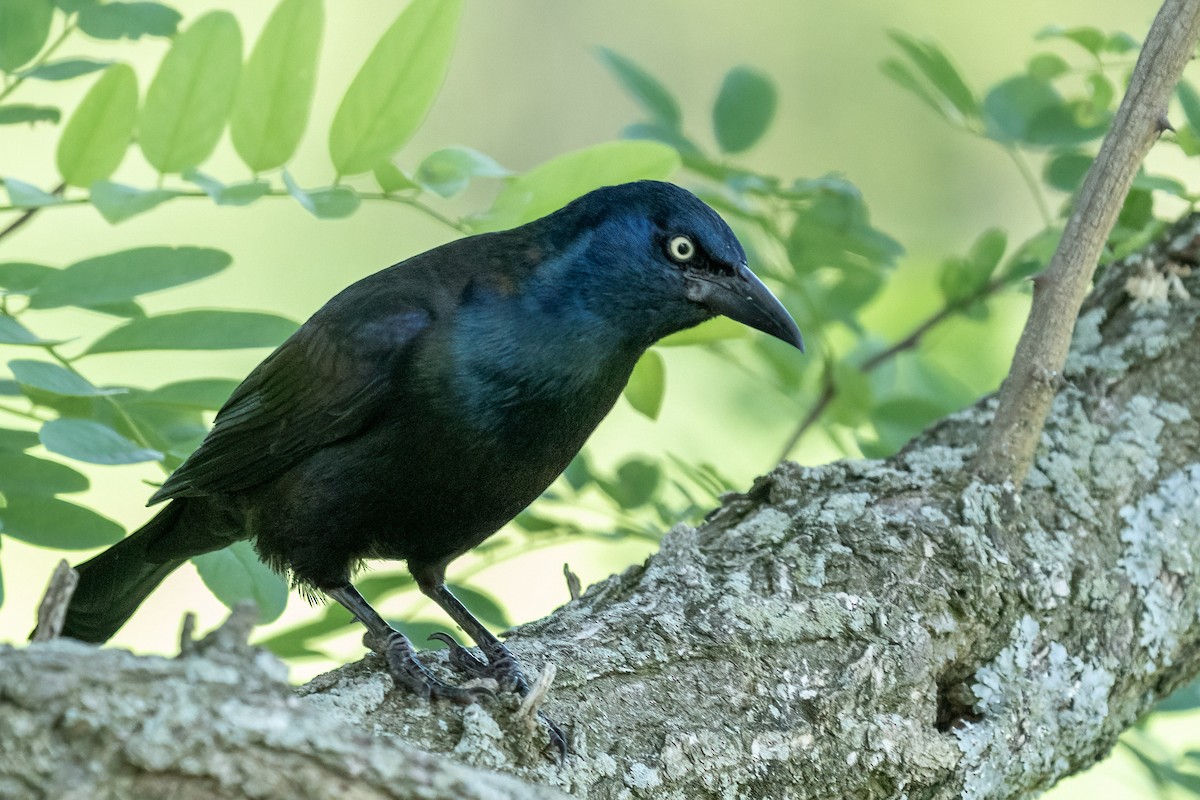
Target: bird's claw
[501, 665]
[503, 668]
[406, 671]
[558, 739]
[461, 659]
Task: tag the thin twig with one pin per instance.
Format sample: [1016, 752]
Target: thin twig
[573, 584]
[1026, 394]
[24, 218]
[828, 391]
[52, 612]
[19, 221]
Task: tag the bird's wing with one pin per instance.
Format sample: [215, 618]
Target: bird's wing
[325, 383]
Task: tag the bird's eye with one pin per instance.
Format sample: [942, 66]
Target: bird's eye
[681, 248]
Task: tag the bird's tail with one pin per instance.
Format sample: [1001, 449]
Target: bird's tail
[113, 584]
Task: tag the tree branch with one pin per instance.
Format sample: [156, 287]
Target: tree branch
[861, 629]
[1033, 379]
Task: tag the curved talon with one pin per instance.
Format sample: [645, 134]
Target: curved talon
[501, 666]
[558, 739]
[406, 671]
[461, 659]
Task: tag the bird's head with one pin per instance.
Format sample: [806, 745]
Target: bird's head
[667, 262]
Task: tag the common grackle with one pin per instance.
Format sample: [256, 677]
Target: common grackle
[424, 406]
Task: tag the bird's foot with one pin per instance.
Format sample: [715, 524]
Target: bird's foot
[502, 667]
[408, 672]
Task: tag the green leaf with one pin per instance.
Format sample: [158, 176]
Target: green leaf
[197, 330]
[96, 137]
[24, 28]
[276, 89]
[56, 379]
[294, 642]
[1010, 107]
[17, 440]
[73, 6]
[237, 194]
[644, 87]
[396, 86]
[330, 202]
[985, 254]
[718, 329]
[834, 230]
[577, 474]
[202, 394]
[173, 430]
[636, 483]
[852, 403]
[1047, 66]
[128, 309]
[189, 99]
[13, 332]
[1101, 90]
[551, 185]
[957, 280]
[1189, 100]
[17, 113]
[946, 88]
[122, 276]
[236, 574]
[1024, 109]
[903, 76]
[744, 109]
[1136, 214]
[1188, 140]
[449, 171]
[65, 70]
[647, 385]
[114, 20]
[85, 440]
[21, 473]
[1066, 171]
[50, 522]
[1090, 39]
[26, 195]
[117, 202]
[1120, 42]
[21, 276]
[658, 132]
[391, 179]
[1159, 183]
[1033, 255]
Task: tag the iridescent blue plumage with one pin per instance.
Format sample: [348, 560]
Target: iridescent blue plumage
[426, 405]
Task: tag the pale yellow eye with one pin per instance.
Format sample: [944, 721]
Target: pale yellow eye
[681, 248]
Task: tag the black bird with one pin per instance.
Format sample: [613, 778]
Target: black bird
[426, 405]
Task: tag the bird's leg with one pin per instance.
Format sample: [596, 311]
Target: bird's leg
[502, 665]
[401, 659]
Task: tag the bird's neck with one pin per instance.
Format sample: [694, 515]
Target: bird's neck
[548, 348]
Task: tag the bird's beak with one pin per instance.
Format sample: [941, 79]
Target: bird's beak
[744, 298]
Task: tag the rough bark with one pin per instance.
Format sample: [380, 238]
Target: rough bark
[861, 629]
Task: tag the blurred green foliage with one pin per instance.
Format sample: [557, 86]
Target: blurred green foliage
[812, 237]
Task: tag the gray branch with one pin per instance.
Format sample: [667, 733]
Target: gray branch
[861, 629]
